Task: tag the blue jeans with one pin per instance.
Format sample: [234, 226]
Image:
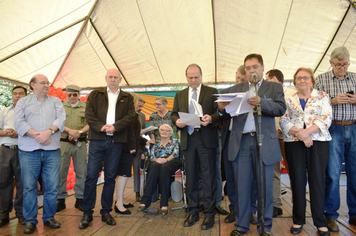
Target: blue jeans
[342, 145]
[48, 162]
[111, 152]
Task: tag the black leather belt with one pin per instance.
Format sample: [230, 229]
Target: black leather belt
[66, 140]
[109, 136]
[251, 134]
[13, 147]
[196, 131]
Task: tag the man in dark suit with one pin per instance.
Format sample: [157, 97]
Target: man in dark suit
[241, 77]
[199, 146]
[109, 113]
[243, 144]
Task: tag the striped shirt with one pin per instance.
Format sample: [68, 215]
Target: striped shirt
[332, 85]
[32, 113]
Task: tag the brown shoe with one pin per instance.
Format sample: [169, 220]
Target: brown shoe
[332, 225]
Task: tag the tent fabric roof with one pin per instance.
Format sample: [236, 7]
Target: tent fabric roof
[152, 41]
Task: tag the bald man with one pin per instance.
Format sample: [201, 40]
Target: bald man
[109, 112]
[38, 118]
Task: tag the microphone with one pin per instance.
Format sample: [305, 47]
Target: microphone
[254, 78]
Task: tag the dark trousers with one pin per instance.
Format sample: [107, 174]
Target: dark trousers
[247, 173]
[160, 173]
[200, 159]
[9, 167]
[230, 181]
[99, 149]
[308, 164]
[136, 166]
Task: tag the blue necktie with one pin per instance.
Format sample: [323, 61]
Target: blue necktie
[192, 110]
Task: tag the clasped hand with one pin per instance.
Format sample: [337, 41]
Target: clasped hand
[161, 160]
[302, 135]
[10, 133]
[43, 137]
[110, 129]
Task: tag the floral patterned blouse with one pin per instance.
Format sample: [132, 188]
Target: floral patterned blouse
[160, 151]
[317, 111]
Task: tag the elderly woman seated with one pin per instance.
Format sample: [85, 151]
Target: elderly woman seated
[164, 163]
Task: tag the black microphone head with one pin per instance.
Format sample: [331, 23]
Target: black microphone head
[254, 78]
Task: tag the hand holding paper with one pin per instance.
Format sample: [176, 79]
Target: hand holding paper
[237, 105]
[148, 129]
[189, 119]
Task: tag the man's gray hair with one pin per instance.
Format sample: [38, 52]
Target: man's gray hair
[241, 69]
[140, 99]
[340, 53]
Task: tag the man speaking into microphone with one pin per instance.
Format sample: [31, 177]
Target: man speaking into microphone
[243, 149]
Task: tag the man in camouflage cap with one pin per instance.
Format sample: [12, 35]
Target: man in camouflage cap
[73, 145]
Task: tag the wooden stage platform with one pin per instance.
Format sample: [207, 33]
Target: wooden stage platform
[139, 223]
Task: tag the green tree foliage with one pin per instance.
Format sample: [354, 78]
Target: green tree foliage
[5, 96]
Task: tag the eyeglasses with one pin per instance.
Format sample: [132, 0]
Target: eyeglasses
[305, 78]
[255, 67]
[339, 65]
[165, 130]
[72, 95]
[158, 104]
[43, 83]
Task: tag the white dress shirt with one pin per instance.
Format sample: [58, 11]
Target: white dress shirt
[110, 116]
[7, 122]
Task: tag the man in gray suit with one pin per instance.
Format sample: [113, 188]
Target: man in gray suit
[199, 146]
[243, 144]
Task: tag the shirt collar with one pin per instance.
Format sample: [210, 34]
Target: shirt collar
[75, 104]
[258, 84]
[109, 91]
[346, 76]
[198, 89]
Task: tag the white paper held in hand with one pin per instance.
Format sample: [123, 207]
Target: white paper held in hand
[189, 119]
[239, 104]
[198, 108]
[148, 129]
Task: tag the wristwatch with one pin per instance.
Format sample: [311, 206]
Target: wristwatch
[80, 131]
[52, 130]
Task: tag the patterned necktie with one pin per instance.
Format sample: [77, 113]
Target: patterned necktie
[192, 110]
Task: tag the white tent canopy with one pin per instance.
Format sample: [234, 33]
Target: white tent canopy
[152, 41]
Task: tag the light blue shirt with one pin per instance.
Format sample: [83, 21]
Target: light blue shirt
[30, 112]
[250, 120]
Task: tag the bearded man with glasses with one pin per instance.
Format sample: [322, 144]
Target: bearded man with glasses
[340, 85]
[73, 145]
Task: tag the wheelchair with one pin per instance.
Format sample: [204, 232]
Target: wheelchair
[178, 186]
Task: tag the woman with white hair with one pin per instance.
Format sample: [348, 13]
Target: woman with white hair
[164, 163]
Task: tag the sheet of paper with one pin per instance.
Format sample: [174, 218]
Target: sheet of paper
[148, 129]
[228, 97]
[189, 119]
[244, 106]
[228, 94]
[198, 108]
[239, 105]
